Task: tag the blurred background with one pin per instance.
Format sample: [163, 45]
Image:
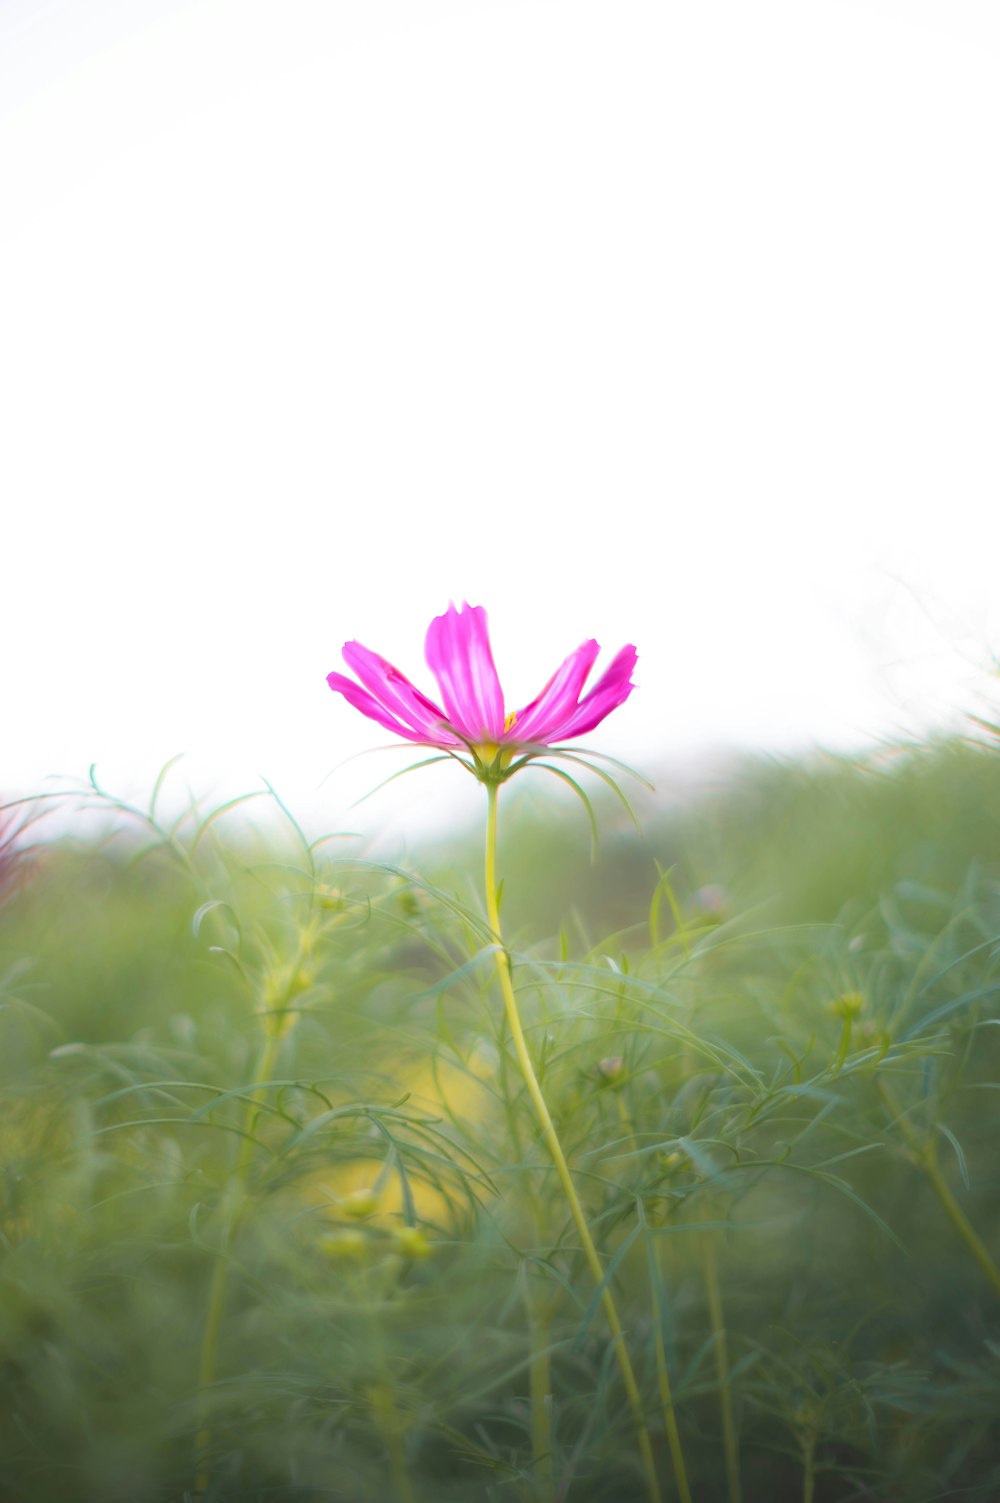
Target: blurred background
[657, 323]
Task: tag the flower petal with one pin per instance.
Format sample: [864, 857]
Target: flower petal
[401, 698]
[459, 656]
[369, 705]
[612, 689]
[542, 718]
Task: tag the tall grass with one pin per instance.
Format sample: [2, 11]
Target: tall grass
[278, 1220]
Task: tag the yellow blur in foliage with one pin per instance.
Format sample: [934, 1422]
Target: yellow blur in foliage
[364, 1190]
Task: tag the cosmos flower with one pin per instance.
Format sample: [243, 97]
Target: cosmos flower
[472, 713]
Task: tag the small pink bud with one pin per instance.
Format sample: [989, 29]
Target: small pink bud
[610, 1071]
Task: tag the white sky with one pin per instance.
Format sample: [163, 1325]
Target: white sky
[659, 322]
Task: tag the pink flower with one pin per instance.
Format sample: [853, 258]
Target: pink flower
[473, 715]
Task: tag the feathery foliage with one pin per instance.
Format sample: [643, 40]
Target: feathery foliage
[277, 1222]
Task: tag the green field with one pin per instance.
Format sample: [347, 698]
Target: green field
[278, 1222]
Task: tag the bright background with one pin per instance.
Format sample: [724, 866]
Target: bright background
[668, 323]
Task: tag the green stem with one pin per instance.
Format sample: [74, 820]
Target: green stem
[626, 1122]
[381, 1395]
[729, 1442]
[541, 1400]
[809, 1470]
[960, 1221]
[809, 1467]
[666, 1392]
[387, 1416]
[657, 1284]
[843, 1047]
[219, 1286]
[558, 1157]
[539, 1313]
[925, 1155]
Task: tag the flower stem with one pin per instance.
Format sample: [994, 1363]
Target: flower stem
[658, 1286]
[558, 1157]
[844, 1045]
[539, 1312]
[729, 1443]
[219, 1286]
[925, 1155]
[541, 1398]
[380, 1393]
[387, 1418]
[809, 1467]
[666, 1392]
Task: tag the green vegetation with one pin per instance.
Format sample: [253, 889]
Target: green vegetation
[277, 1221]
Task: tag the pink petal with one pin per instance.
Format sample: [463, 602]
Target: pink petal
[558, 700]
[401, 698]
[369, 705]
[612, 689]
[459, 656]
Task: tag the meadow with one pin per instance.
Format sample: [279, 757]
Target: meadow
[278, 1220]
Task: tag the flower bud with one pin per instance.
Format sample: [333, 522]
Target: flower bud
[711, 902]
[329, 898]
[848, 1005]
[360, 1203]
[611, 1071]
[411, 1242]
[347, 1246]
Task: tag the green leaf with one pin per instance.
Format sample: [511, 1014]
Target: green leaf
[572, 783]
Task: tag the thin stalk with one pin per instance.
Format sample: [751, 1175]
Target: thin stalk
[626, 1122]
[541, 1399]
[809, 1467]
[924, 1153]
[219, 1286]
[387, 1416]
[558, 1157]
[381, 1395]
[959, 1220]
[729, 1443]
[844, 1044]
[657, 1285]
[666, 1392]
[538, 1312]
